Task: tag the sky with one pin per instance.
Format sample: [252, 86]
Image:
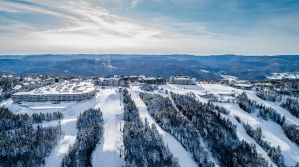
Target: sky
[200, 27]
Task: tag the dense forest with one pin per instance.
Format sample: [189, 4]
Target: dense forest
[292, 106]
[21, 143]
[172, 121]
[11, 121]
[142, 142]
[90, 129]
[219, 133]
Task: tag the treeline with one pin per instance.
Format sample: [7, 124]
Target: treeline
[245, 103]
[219, 133]
[24, 145]
[143, 146]
[291, 131]
[292, 105]
[273, 153]
[8, 120]
[269, 95]
[268, 113]
[172, 121]
[7, 85]
[90, 129]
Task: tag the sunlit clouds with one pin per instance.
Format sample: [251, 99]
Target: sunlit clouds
[45, 26]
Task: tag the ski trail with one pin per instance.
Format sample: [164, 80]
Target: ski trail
[184, 157]
[69, 131]
[107, 152]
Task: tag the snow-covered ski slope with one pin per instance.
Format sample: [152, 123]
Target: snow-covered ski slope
[273, 133]
[108, 151]
[184, 157]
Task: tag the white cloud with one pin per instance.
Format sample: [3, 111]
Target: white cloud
[90, 29]
[135, 3]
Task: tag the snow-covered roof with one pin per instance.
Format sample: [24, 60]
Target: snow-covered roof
[61, 88]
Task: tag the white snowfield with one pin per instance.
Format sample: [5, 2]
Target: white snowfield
[107, 153]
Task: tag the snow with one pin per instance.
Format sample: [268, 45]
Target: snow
[271, 130]
[17, 87]
[70, 111]
[241, 133]
[219, 89]
[288, 75]
[184, 157]
[107, 153]
[205, 71]
[35, 107]
[283, 112]
[229, 77]
[65, 87]
[69, 130]
[183, 88]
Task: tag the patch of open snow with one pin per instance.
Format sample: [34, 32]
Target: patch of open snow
[271, 130]
[107, 153]
[69, 130]
[35, 107]
[182, 89]
[283, 112]
[205, 71]
[229, 77]
[219, 89]
[242, 134]
[288, 75]
[178, 151]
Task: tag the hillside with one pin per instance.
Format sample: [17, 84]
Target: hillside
[202, 67]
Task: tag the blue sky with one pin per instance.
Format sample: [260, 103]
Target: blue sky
[202, 27]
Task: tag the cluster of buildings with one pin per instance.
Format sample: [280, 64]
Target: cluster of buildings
[77, 90]
[135, 80]
[182, 80]
[114, 81]
[64, 91]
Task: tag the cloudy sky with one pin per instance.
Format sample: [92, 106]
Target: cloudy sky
[202, 27]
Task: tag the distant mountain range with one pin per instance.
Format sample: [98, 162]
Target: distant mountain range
[202, 67]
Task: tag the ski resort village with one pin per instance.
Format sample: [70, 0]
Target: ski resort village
[140, 121]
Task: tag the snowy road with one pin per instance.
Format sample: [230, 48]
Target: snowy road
[107, 152]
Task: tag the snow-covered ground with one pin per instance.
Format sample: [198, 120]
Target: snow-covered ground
[289, 75]
[219, 89]
[241, 133]
[107, 153]
[69, 130]
[70, 111]
[184, 88]
[271, 130]
[283, 112]
[184, 157]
